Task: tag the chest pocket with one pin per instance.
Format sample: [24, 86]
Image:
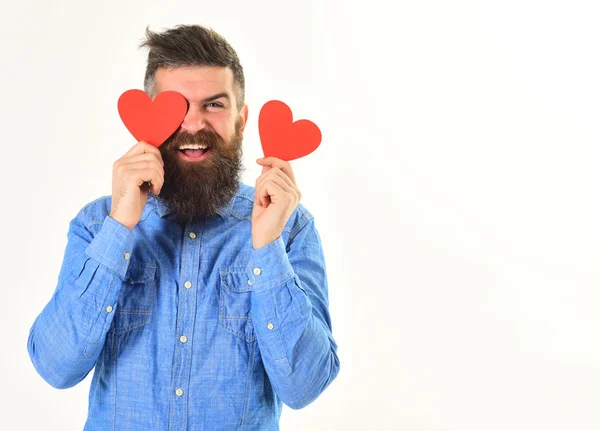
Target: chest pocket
[235, 303]
[134, 306]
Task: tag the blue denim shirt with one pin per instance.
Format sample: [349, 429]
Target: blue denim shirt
[188, 327]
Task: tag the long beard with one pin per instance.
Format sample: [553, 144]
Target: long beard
[195, 190]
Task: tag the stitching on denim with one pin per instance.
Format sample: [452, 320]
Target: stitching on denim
[234, 331]
[250, 373]
[228, 326]
[89, 345]
[241, 216]
[89, 225]
[285, 350]
[277, 361]
[101, 199]
[278, 323]
[244, 195]
[233, 288]
[113, 409]
[237, 214]
[122, 330]
[90, 341]
[250, 198]
[285, 277]
[83, 269]
[221, 301]
[151, 282]
[152, 208]
[305, 212]
[236, 318]
[173, 401]
[305, 219]
[134, 312]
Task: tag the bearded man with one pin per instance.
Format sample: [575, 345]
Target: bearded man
[200, 301]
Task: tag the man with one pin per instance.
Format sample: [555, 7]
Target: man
[201, 301]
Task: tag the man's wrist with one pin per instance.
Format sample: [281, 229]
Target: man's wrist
[112, 216]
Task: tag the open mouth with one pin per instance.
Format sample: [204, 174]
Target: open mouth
[194, 154]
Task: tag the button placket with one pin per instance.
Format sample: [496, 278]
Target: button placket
[187, 306]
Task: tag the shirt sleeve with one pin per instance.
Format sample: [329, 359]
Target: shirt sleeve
[67, 337]
[290, 313]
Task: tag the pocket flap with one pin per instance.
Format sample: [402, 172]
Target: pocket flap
[139, 273]
[236, 279]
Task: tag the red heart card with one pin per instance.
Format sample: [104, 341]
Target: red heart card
[152, 121]
[282, 138]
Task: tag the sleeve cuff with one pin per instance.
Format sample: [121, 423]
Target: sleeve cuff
[112, 246]
[270, 266]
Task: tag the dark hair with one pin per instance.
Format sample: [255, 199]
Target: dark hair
[191, 45]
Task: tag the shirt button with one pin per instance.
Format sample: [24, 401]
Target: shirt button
[188, 284]
[183, 338]
[270, 325]
[108, 309]
[257, 271]
[126, 255]
[249, 281]
[192, 235]
[179, 392]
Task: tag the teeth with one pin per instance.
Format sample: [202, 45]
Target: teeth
[193, 147]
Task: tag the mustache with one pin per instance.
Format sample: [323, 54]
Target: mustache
[206, 137]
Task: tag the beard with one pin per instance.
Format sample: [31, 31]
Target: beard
[196, 190]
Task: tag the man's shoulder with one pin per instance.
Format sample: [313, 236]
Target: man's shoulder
[96, 210]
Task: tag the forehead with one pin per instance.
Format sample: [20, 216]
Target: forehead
[195, 82]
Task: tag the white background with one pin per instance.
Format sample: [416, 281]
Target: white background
[455, 191]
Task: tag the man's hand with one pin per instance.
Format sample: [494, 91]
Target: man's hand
[275, 199]
[142, 163]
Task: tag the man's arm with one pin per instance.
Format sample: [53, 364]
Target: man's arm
[68, 335]
[290, 313]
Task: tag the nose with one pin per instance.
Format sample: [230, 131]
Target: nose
[193, 121]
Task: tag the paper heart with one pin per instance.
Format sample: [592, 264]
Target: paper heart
[282, 138]
[152, 121]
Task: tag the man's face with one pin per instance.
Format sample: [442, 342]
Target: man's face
[198, 182]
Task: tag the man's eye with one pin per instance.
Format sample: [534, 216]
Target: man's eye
[214, 104]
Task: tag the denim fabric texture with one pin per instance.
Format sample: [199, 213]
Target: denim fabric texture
[188, 327]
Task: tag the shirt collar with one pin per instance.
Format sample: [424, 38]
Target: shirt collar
[163, 210]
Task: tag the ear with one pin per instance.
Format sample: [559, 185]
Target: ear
[244, 116]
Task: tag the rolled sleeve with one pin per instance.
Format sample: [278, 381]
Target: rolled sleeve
[270, 266]
[112, 246]
[290, 316]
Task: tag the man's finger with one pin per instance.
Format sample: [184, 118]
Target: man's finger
[285, 166]
[275, 172]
